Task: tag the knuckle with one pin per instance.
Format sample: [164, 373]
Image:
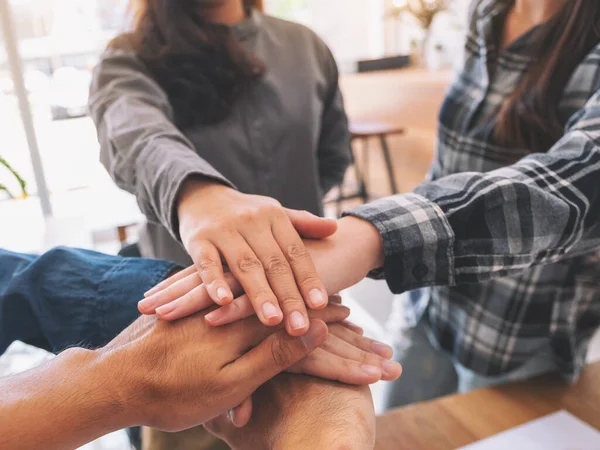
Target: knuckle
[297, 252]
[282, 353]
[290, 301]
[207, 264]
[248, 263]
[277, 266]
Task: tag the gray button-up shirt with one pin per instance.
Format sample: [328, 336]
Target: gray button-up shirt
[287, 137]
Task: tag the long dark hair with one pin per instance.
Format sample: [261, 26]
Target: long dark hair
[201, 66]
[529, 118]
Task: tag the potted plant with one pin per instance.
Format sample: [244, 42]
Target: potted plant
[21, 181]
[422, 10]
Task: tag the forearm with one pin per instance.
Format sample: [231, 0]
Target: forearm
[61, 404]
[348, 256]
[140, 145]
[69, 297]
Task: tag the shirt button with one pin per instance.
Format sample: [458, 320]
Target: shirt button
[420, 271]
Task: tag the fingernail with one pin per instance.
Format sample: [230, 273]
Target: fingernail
[297, 321]
[317, 297]
[145, 304]
[371, 370]
[382, 350]
[222, 293]
[150, 292]
[231, 414]
[269, 310]
[391, 368]
[166, 309]
[212, 316]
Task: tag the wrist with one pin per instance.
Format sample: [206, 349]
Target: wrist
[195, 188]
[368, 240]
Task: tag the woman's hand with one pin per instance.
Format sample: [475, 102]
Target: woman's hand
[258, 240]
[341, 260]
[345, 356]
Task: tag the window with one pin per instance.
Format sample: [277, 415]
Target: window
[353, 29]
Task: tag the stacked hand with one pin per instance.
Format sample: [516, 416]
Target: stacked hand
[302, 413]
[346, 355]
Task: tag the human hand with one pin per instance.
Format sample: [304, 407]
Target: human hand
[299, 412]
[345, 356]
[341, 260]
[258, 240]
[175, 375]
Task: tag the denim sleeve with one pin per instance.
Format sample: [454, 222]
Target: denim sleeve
[70, 297]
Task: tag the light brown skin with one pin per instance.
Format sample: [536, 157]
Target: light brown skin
[166, 375]
[302, 413]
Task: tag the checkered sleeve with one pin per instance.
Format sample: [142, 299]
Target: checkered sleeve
[471, 227]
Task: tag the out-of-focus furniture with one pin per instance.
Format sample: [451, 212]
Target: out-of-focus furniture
[459, 420]
[410, 97]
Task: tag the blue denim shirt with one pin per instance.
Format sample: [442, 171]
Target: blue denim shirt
[71, 297]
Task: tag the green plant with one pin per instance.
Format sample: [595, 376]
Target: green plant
[21, 181]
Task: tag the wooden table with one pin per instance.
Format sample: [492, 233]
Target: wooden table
[458, 420]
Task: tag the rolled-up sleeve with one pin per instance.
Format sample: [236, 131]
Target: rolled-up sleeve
[471, 227]
[69, 297]
[140, 146]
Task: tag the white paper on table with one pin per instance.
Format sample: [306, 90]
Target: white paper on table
[558, 431]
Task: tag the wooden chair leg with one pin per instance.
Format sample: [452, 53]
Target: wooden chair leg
[388, 162]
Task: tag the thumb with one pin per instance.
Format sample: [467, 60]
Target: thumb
[310, 226]
[276, 353]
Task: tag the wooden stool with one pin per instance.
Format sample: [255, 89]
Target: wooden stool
[362, 131]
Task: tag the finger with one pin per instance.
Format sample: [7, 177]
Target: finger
[240, 416]
[170, 293]
[249, 271]
[305, 273]
[282, 281]
[361, 342]
[192, 302]
[210, 268]
[169, 281]
[323, 364]
[390, 370]
[274, 355]
[310, 226]
[181, 288]
[336, 298]
[352, 327]
[241, 308]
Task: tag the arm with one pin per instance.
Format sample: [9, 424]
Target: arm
[298, 412]
[152, 374]
[471, 227]
[70, 399]
[140, 146]
[334, 143]
[148, 156]
[69, 297]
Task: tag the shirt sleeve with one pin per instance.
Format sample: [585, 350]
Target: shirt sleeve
[471, 227]
[69, 297]
[334, 150]
[140, 146]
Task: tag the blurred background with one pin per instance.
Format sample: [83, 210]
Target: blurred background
[59, 42]
[48, 49]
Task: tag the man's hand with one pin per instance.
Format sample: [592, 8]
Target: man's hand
[169, 376]
[173, 376]
[299, 412]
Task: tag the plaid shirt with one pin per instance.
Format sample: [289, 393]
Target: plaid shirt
[510, 253]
